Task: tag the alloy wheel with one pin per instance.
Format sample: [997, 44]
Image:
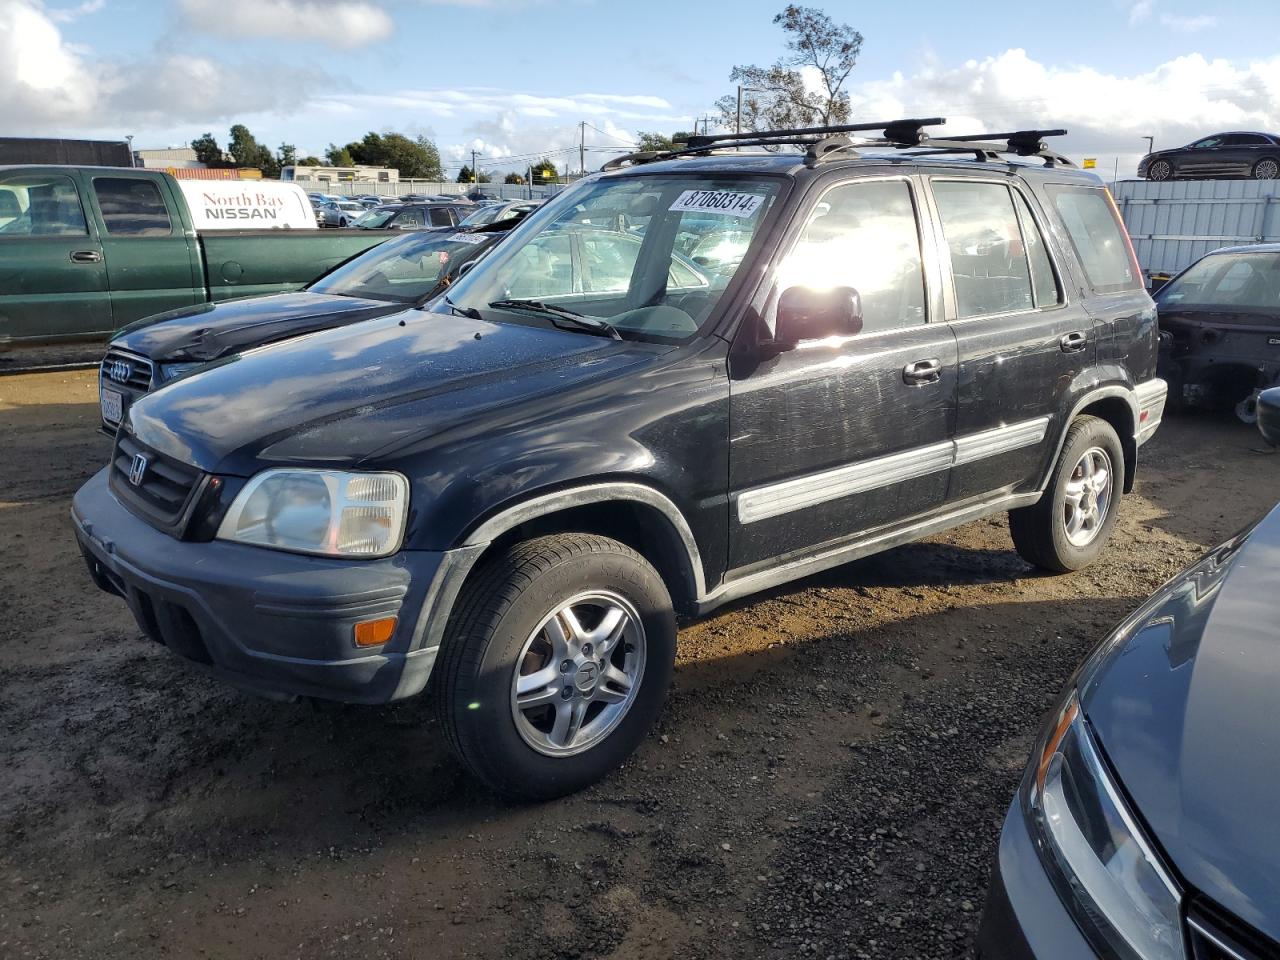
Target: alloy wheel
[1266, 170]
[1088, 497]
[578, 674]
[1160, 170]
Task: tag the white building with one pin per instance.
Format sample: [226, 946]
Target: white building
[356, 174]
[176, 157]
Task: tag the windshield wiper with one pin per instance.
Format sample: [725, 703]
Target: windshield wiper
[471, 313]
[561, 317]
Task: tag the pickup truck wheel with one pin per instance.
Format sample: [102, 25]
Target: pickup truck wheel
[555, 664]
[1071, 523]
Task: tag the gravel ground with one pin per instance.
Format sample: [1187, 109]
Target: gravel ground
[828, 779]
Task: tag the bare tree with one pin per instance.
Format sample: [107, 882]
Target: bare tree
[778, 96]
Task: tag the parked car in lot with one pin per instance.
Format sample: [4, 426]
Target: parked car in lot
[1237, 154]
[403, 272]
[494, 212]
[1145, 824]
[341, 213]
[413, 216]
[1220, 330]
[513, 493]
[87, 250]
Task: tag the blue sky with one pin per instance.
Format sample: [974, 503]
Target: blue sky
[512, 77]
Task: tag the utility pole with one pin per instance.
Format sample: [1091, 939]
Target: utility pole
[701, 120]
[582, 148]
[1151, 144]
[129, 137]
[475, 174]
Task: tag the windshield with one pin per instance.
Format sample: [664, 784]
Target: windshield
[406, 269]
[485, 215]
[376, 218]
[650, 256]
[1238, 282]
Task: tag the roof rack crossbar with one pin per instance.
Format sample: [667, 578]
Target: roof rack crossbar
[900, 128]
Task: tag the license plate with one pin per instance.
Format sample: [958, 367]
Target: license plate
[112, 406]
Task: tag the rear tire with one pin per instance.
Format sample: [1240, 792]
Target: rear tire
[1069, 526]
[513, 665]
[1266, 169]
[1160, 170]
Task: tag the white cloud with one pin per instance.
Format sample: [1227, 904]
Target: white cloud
[1107, 114]
[1140, 11]
[48, 86]
[69, 14]
[338, 23]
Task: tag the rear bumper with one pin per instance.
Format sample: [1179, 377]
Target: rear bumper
[1024, 919]
[274, 623]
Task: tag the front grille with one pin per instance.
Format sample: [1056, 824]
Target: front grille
[165, 486]
[126, 370]
[1216, 935]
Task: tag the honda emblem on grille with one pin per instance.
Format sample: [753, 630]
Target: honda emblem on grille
[138, 469]
[119, 370]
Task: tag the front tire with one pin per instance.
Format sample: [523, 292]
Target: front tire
[555, 664]
[1160, 170]
[1071, 523]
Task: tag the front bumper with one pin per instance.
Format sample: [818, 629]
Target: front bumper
[1024, 918]
[274, 623]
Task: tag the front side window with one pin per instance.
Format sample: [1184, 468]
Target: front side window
[40, 206]
[1229, 282]
[617, 251]
[132, 208]
[1207, 142]
[989, 264]
[863, 235]
[1098, 236]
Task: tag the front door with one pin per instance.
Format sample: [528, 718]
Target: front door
[53, 282]
[841, 436]
[151, 262]
[1022, 345]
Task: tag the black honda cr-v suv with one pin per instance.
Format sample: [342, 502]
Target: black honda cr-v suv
[691, 377]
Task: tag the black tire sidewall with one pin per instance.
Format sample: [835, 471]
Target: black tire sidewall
[1090, 432]
[483, 699]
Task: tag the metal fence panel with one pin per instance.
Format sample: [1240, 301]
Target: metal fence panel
[1176, 222]
[507, 191]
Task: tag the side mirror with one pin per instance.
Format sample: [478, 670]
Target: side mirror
[807, 314]
[1269, 415]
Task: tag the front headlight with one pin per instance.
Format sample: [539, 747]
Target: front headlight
[1107, 873]
[326, 512]
[171, 371]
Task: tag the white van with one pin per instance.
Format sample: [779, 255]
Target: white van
[247, 205]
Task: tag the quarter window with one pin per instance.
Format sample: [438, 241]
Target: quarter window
[1098, 237]
[441, 217]
[863, 235]
[132, 208]
[41, 206]
[989, 256]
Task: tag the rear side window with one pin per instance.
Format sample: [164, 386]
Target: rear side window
[40, 206]
[132, 208]
[441, 217]
[1098, 236]
[988, 254]
[1043, 281]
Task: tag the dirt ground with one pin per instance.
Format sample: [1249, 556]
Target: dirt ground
[828, 778]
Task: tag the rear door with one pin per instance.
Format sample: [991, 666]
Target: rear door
[1242, 151]
[152, 261]
[1021, 342]
[837, 438]
[53, 282]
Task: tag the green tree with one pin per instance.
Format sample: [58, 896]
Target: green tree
[544, 172]
[414, 159]
[207, 151]
[646, 140]
[245, 151]
[514, 178]
[777, 96]
[340, 156]
[310, 161]
[287, 154]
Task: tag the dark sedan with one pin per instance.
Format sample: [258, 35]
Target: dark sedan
[403, 272]
[1145, 825]
[1237, 154]
[414, 216]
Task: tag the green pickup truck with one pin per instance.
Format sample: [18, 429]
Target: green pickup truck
[86, 250]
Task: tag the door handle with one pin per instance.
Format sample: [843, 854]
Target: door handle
[1073, 342]
[86, 256]
[922, 372]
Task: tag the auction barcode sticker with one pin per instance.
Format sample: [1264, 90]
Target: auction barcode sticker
[741, 205]
[466, 238]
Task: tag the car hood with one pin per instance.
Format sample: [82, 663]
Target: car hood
[210, 331]
[1184, 707]
[343, 396]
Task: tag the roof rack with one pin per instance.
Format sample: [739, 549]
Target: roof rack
[832, 143]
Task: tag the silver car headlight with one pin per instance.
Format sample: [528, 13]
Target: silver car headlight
[1106, 871]
[325, 512]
